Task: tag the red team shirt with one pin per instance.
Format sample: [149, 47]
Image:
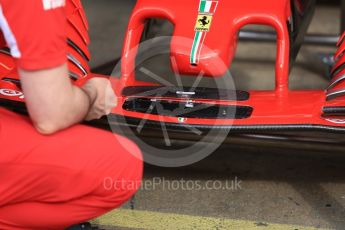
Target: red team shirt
[35, 31]
[37, 175]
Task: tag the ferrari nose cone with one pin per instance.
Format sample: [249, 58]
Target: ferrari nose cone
[209, 46]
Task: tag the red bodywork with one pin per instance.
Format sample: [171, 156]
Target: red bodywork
[279, 108]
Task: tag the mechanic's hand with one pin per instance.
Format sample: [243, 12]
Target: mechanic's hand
[102, 97]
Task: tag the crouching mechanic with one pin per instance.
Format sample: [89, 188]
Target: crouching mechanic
[52, 170]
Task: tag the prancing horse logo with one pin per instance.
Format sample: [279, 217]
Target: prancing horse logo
[204, 21]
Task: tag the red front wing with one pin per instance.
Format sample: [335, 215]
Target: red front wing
[218, 23]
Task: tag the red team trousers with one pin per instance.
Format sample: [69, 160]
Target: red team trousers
[52, 182]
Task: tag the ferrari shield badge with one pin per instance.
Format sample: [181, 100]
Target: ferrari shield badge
[203, 23]
[202, 26]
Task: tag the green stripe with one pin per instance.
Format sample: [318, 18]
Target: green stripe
[194, 46]
[202, 6]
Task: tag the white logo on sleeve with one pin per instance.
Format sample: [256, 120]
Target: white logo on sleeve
[11, 93]
[52, 4]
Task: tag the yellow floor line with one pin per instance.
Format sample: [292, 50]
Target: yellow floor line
[156, 220]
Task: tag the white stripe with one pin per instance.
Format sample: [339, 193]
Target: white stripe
[336, 81]
[341, 91]
[10, 39]
[47, 4]
[208, 6]
[336, 121]
[53, 4]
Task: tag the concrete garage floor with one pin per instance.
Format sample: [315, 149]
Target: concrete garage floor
[279, 188]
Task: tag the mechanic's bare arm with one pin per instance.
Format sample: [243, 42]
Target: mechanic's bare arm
[54, 103]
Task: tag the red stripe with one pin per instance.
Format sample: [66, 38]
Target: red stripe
[213, 7]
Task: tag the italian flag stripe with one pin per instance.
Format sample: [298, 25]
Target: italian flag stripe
[197, 45]
[205, 6]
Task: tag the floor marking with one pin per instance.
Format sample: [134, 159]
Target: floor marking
[135, 219]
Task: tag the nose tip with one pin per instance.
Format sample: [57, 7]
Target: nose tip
[213, 62]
